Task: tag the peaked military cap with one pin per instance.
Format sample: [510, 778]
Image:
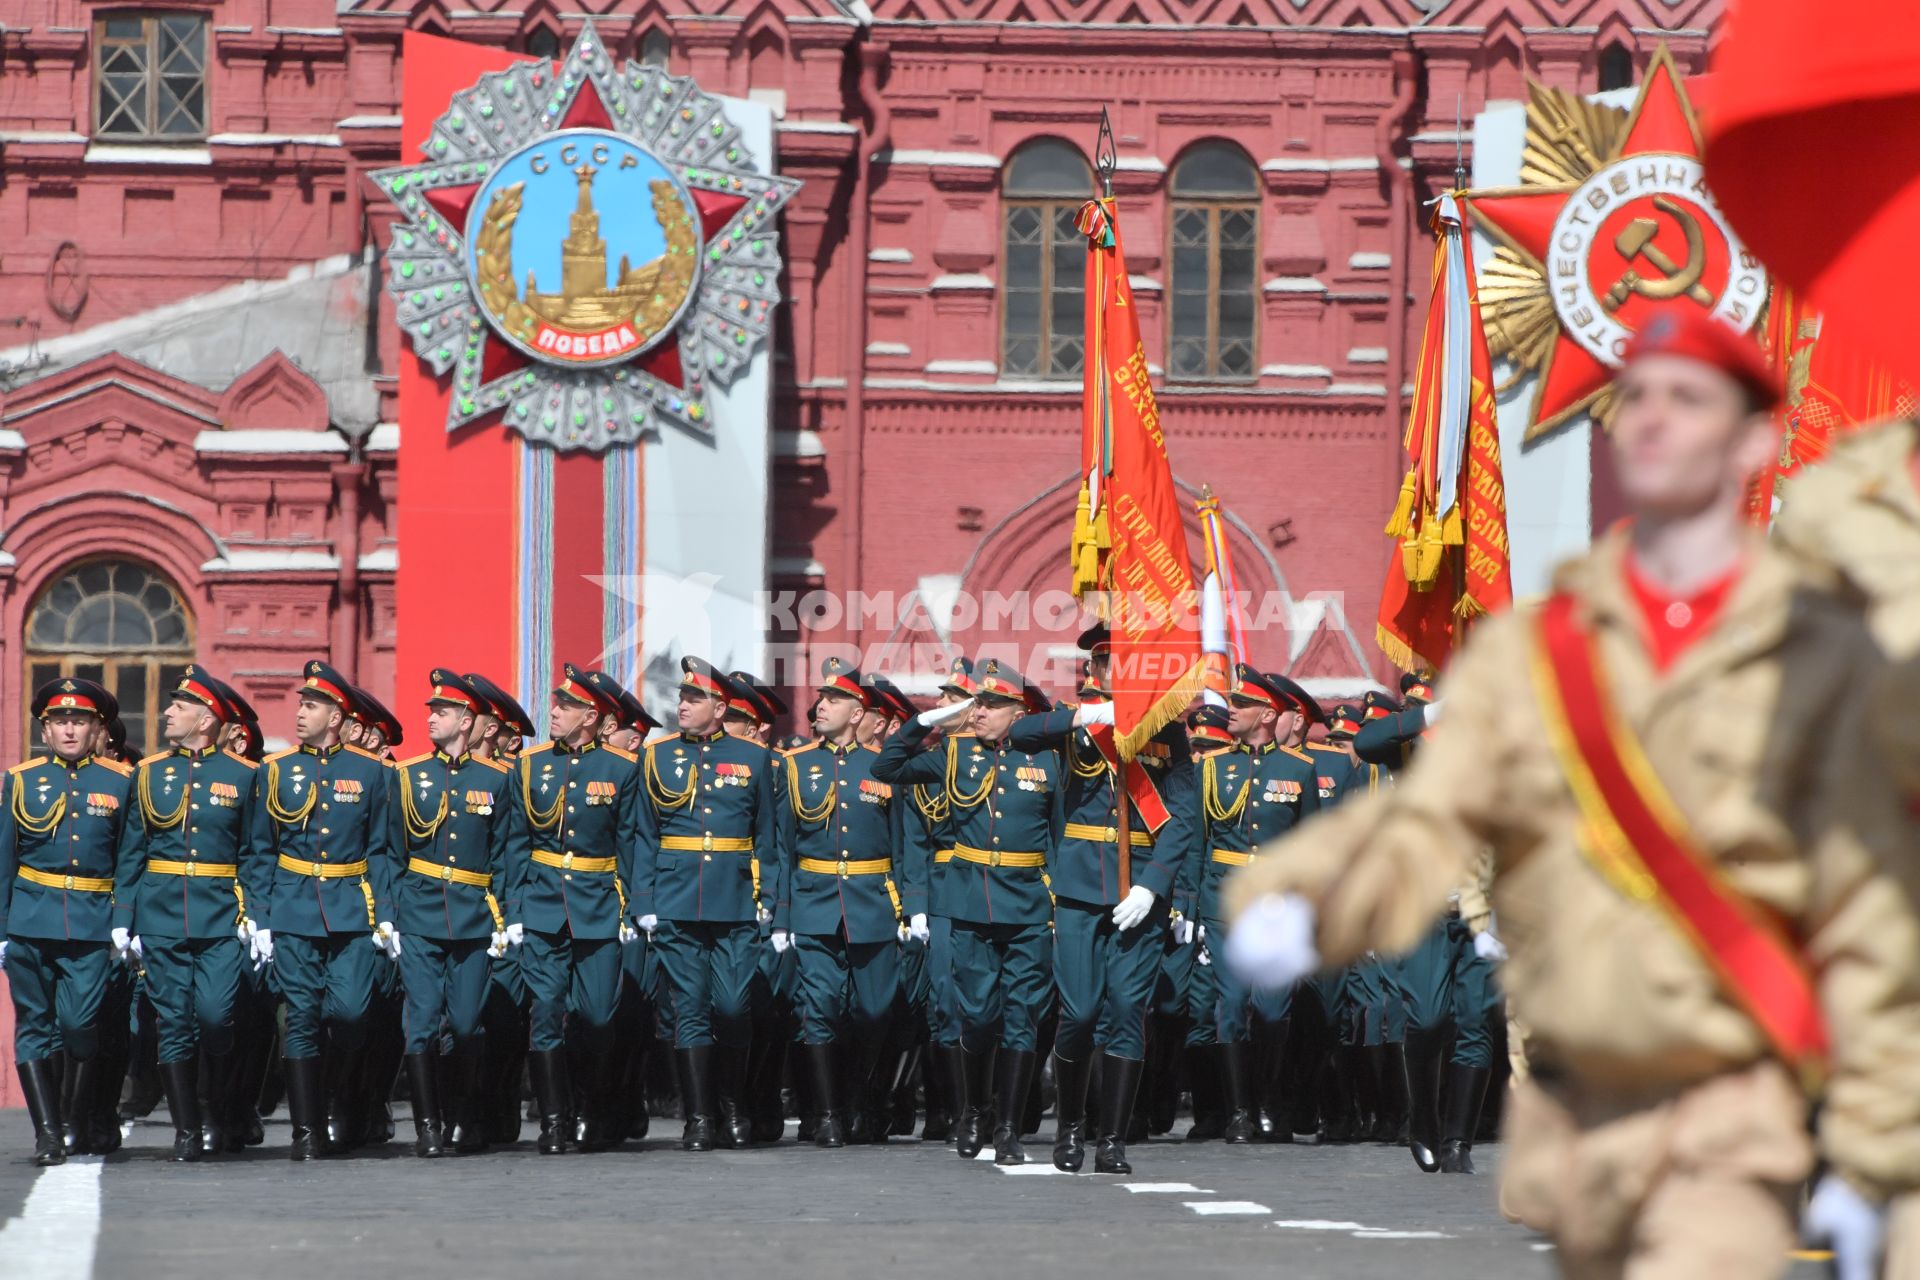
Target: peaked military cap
[234, 707]
[837, 675]
[959, 681]
[700, 675]
[755, 698]
[1096, 639]
[71, 693]
[1415, 688]
[198, 685]
[370, 710]
[501, 704]
[454, 690]
[1210, 725]
[1343, 722]
[328, 685]
[1377, 704]
[884, 695]
[1276, 691]
[633, 713]
[998, 681]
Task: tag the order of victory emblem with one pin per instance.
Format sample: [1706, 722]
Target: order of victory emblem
[588, 251]
[1614, 219]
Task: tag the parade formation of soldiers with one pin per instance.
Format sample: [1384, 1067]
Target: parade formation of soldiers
[910, 913]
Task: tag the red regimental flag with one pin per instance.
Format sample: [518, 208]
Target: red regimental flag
[1145, 575]
[1451, 519]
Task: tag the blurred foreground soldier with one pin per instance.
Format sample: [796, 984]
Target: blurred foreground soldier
[1703, 879]
[323, 906]
[61, 840]
[1004, 810]
[194, 834]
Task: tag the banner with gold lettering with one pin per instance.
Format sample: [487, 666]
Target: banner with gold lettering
[1451, 519]
[1130, 542]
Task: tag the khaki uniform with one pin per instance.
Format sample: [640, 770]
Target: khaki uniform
[1856, 516]
[1657, 1136]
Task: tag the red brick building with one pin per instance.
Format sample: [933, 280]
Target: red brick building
[198, 360]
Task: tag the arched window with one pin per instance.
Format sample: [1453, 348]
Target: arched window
[655, 49]
[1616, 67]
[1042, 315]
[541, 42]
[119, 623]
[1215, 253]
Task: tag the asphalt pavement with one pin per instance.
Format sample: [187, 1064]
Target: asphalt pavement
[783, 1212]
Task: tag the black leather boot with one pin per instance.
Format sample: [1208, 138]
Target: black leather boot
[696, 1097]
[1119, 1082]
[938, 1125]
[429, 1134]
[903, 1105]
[76, 1130]
[976, 1109]
[730, 1077]
[216, 1103]
[180, 1081]
[345, 1106]
[828, 1129]
[1270, 1059]
[1237, 1068]
[1070, 1114]
[548, 1070]
[40, 1082]
[1390, 1075]
[469, 1101]
[1207, 1080]
[953, 1073]
[1466, 1089]
[103, 1095]
[1423, 1051]
[1014, 1079]
[306, 1109]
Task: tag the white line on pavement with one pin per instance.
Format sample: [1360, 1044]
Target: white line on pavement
[1029, 1170]
[1320, 1224]
[1165, 1188]
[1381, 1233]
[58, 1228]
[1210, 1208]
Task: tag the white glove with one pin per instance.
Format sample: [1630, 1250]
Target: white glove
[1271, 944]
[648, 923]
[136, 950]
[1183, 931]
[780, 941]
[515, 934]
[940, 715]
[3, 953]
[1133, 908]
[1854, 1227]
[386, 939]
[917, 929]
[121, 940]
[761, 915]
[260, 947]
[245, 930]
[627, 932]
[1488, 947]
[498, 946]
[1431, 714]
[1093, 713]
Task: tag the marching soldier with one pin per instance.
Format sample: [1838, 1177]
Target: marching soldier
[752, 707]
[1107, 945]
[1746, 910]
[844, 901]
[708, 859]
[61, 844]
[194, 835]
[498, 734]
[568, 903]
[321, 910]
[1253, 793]
[448, 910]
[1004, 807]
[1178, 1041]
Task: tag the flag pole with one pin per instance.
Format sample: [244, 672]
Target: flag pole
[1106, 159]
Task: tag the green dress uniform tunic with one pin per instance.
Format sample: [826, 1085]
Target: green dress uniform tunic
[196, 833]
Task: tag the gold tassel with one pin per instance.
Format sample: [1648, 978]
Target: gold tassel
[1429, 551]
[1402, 518]
[1453, 530]
[1466, 608]
[1082, 551]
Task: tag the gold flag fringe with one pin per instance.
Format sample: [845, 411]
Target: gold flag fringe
[1171, 706]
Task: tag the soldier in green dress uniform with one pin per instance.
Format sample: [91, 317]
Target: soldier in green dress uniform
[62, 820]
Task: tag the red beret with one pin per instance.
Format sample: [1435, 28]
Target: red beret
[1683, 329]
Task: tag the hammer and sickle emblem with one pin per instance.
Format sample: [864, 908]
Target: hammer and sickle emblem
[1676, 279]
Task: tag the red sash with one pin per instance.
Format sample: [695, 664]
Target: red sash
[1637, 838]
[1146, 798]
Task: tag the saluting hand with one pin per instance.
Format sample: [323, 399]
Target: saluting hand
[941, 715]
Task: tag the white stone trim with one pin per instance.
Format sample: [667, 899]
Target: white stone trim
[368, 122]
[269, 440]
[1143, 284]
[381, 560]
[961, 159]
[384, 438]
[1367, 355]
[1319, 164]
[1294, 284]
[889, 255]
[272, 560]
[274, 140]
[1140, 164]
[1369, 262]
[1295, 371]
[961, 282]
[815, 126]
[12, 440]
[796, 566]
[798, 444]
[962, 366]
[40, 138]
[888, 349]
[135, 153]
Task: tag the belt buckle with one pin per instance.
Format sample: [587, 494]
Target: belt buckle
[1112, 836]
[843, 868]
[1252, 857]
[68, 884]
[566, 862]
[996, 859]
[446, 873]
[706, 841]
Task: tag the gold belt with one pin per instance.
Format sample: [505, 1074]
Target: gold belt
[844, 867]
[573, 862]
[477, 879]
[708, 844]
[80, 884]
[324, 870]
[190, 869]
[997, 857]
[943, 855]
[1229, 858]
[1106, 835]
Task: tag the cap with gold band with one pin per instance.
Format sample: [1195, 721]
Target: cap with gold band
[755, 698]
[633, 713]
[577, 687]
[369, 710]
[1377, 704]
[884, 695]
[73, 694]
[700, 675]
[1415, 688]
[837, 675]
[999, 682]
[1274, 690]
[1209, 726]
[959, 681]
[197, 685]
[1343, 722]
[501, 705]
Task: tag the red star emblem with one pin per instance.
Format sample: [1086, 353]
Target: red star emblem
[1624, 229]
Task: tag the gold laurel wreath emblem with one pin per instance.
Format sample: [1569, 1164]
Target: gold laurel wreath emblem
[672, 272]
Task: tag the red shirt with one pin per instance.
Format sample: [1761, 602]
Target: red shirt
[1670, 623]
